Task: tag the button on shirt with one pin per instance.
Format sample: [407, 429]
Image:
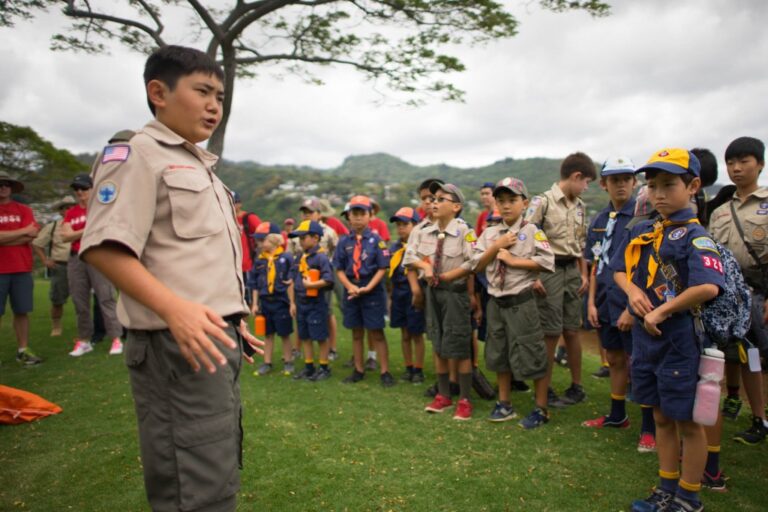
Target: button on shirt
[315, 259]
[374, 255]
[458, 246]
[157, 196]
[563, 221]
[531, 244]
[753, 216]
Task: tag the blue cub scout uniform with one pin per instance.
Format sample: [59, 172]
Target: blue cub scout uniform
[402, 312]
[311, 312]
[274, 306]
[367, 310]
[665, 368]
[604, 236]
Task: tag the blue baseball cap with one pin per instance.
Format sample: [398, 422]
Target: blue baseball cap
[307, 227]
[405, 214]
[674, 161]
[264, 229]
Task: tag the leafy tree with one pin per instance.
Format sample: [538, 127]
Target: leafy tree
[400, 43]
[45, 170]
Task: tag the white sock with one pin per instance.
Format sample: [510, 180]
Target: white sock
[372, 354]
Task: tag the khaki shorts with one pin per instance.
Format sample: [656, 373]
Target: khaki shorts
[59, 292]
[515, 340]
[448, 321]
[561, 309]
[190, 432]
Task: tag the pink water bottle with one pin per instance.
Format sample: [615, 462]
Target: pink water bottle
[707, 402]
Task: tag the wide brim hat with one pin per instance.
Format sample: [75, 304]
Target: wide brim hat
[64, 201]
[16, 186]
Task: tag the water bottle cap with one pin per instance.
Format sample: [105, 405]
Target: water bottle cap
[713, 352]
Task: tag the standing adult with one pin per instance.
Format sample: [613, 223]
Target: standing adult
[488, 204]
[83, 277]
[248, 222]
[17, 230]
[53, 252]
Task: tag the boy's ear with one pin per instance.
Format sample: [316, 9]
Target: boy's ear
[157, 92]
[694, 185]
[525, 203]
[604, 184]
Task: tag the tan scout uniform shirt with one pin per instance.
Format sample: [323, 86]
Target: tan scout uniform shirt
[457, 246]
[59, 248]
[169, 209]
[328, 242]
[753, 216]
[563, 221]
[531, 244]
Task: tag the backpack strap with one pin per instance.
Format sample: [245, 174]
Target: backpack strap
[750, 249]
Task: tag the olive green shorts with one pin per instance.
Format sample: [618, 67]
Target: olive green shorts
[190, 433]
[515, 340]
[561, 309]
[59, 291]
[449, 324]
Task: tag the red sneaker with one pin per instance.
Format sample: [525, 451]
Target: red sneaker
[439, 404]
[603, 421]
[463, 410]
[647, 443]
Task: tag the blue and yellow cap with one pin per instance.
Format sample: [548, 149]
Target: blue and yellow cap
[674, 161]
[307, 227]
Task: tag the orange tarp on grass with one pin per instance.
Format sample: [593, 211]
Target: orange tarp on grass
[18, 406]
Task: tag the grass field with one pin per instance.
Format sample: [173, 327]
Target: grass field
[328, 446]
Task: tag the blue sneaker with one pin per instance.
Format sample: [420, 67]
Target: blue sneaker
[658, 501]
[681, 505]
[534, 420]
[502, 413]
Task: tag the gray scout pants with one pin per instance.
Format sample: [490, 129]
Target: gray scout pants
[190, 430]
[82, 278]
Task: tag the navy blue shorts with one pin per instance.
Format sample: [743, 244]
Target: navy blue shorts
[366, 311]
[668, 382]
[403, 314]
[611, 338]
[278, 316]
[312, 320]
[19, 287]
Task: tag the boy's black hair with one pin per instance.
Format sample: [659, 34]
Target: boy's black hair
[746, 146]
[172, 62]
[687, 177]
[578, 162]
[428, 183]
[708, 173]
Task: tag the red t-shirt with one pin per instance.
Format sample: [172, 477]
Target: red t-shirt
[482, 220]
[245, 238]
[75, 216]
[336, 225]
[379, 227]
[15, 258]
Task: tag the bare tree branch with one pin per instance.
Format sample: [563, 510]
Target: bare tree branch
[73, 12]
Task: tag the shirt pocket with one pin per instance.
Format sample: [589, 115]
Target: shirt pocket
[756, 233]
[193, 205]
[555, 224]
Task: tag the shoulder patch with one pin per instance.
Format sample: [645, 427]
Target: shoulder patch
[540, 236]
[470, 236]
[116, 153]
[705, 243]
[107, 192]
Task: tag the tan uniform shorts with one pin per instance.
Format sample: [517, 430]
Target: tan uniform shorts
[561, 309]
[515, 340]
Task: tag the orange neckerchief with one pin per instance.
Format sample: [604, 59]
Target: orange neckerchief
[635, 247]
[271, 270]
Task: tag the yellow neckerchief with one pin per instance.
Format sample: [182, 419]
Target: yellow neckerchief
[271, 271]
[635, 247]
[303, 265]
[397, 257]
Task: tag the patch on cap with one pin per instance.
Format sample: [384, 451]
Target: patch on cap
[674, 161]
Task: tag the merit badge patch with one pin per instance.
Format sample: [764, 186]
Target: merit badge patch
[705, 243]
[758, 234]
[107, 192]
[540, 236]
[116, 153]
[713, 263]
[661, 291]
[678, 233]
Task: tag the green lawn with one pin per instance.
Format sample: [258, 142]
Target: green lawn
[328, 446]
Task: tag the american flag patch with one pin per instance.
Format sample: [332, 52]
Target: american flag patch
[116, 153]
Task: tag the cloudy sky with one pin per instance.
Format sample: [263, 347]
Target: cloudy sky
[653, 74]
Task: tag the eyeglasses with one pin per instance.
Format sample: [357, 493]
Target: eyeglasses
[80, 189]
[6, 184]
[442, 199]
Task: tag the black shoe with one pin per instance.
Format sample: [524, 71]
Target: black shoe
[602, 373]
[555, 401]
[561, 356]
[305, 374]
[431, 391]
[418, 378]
[574, 394]
[520, 386]
[320, 375]
[354, 378]
[407, 376]
[754, 434]
[387, 380]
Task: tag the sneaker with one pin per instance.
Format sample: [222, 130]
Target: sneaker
[731, 407]
[605, 421]
[116, 348]
[333, 355]
[431, 391]
[561, 356]
[753, 434]
[555, 401]
[371, 364]
[502, 413]
[647, 443]
[681, 505]
[418, 378]
[264, 369]
[354, 378]
[520, 386]
[657, 501]
[295, 354]
[603, 373]
[574, 394]
[81, 347]
[320, 375]
[407, 376]
[28, 358]
[350, 363]
[439, 404]
[463, 410]
[534, 420]
[288, 368]
[304, 374]
[714, 483]
[387, 380]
